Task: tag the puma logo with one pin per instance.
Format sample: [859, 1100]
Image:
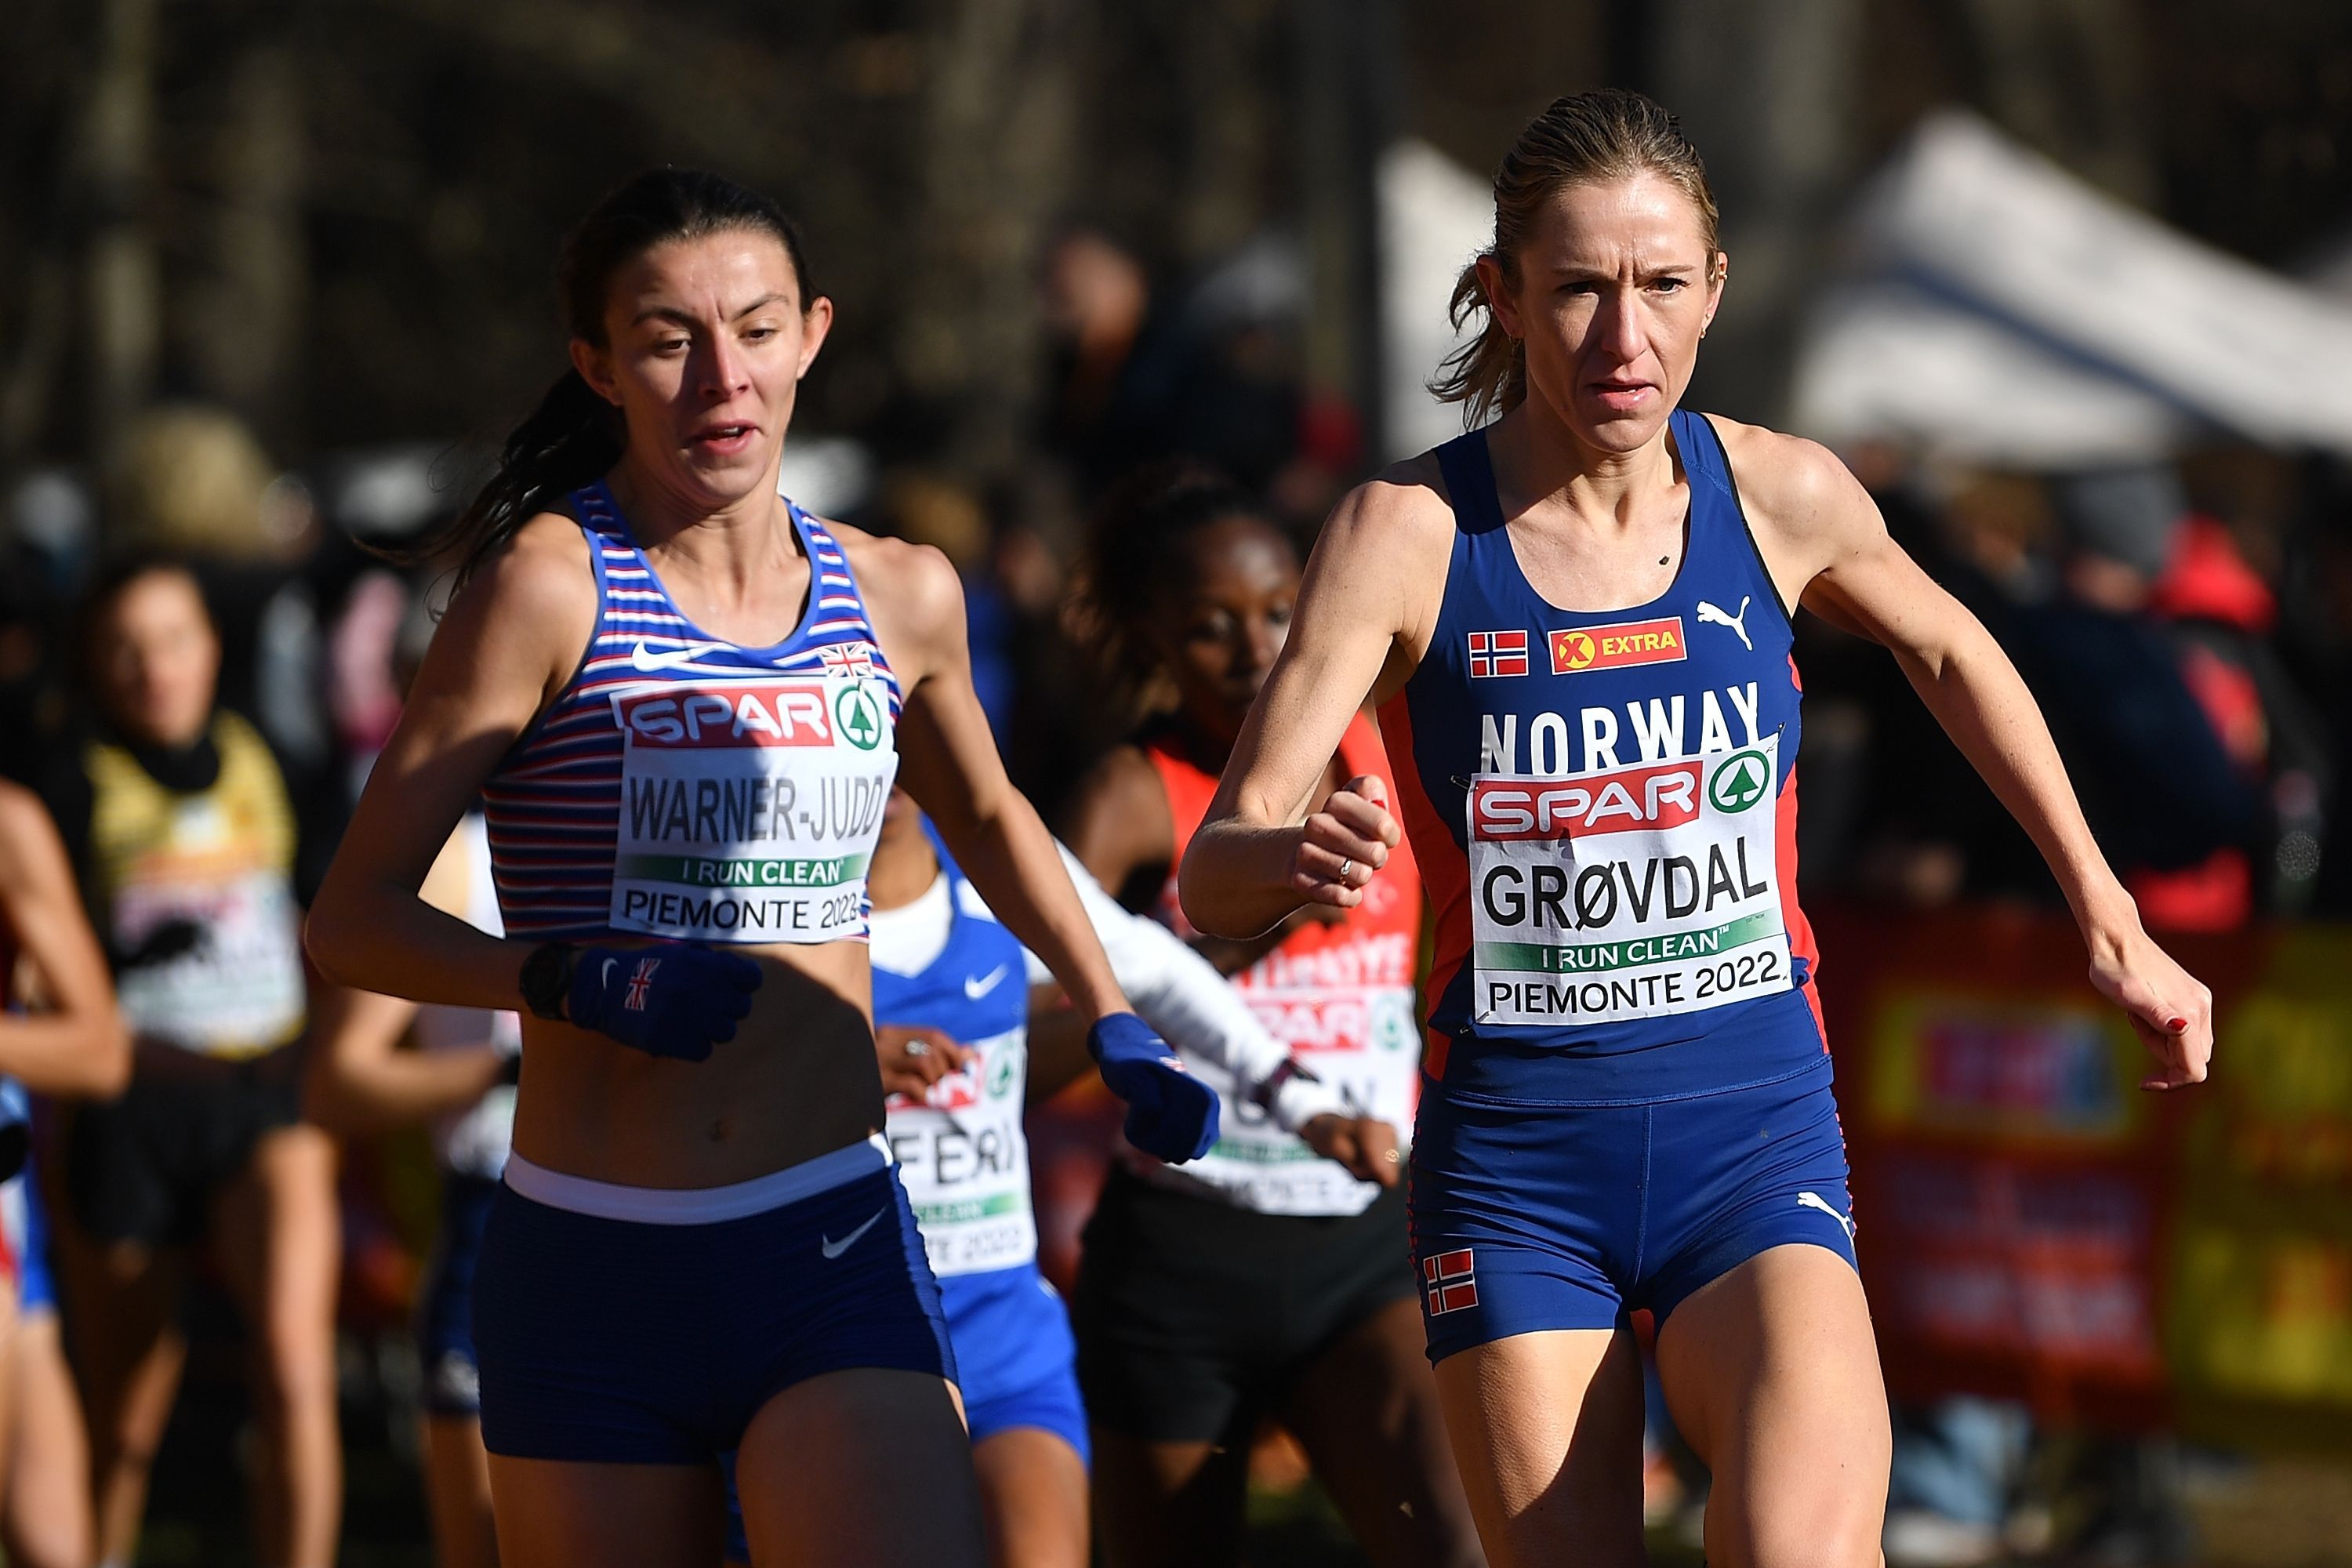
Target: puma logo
[833, 1249]
[1815, 1201]
[1708, 614]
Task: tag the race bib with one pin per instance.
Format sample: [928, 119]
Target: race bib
[750, 808]
[965, 1164]
[1627, 892]
[233, 983]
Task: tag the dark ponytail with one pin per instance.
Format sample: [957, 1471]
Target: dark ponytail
[575, 437]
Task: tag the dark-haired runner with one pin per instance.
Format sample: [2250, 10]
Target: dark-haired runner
[1262, 1279]
[683, 700]
[184, 841]
[1575, 621]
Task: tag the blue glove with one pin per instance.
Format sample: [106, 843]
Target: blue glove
[1169, 1113]
[669, 1001]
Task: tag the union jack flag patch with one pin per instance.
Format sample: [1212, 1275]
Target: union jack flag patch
[1497, 653]
[851, 658]
[1450, 1281]
[641, 984]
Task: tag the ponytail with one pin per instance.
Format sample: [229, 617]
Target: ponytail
[572, 439]
[1488, 374]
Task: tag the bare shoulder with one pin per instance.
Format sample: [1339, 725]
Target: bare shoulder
[1403, 510]
[1793, 488]
[542, 572]
[1118, 818]
[907, 582]
[27, 837]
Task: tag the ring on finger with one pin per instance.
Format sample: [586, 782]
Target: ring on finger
[1391, 1156]
[919, 1047]
[1346, 866]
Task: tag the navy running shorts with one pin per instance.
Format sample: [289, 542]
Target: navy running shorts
[618, 1341]
[1535, 1216]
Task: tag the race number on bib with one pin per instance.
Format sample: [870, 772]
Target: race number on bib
[965, 1164]
[750, 808]
[1627, 892]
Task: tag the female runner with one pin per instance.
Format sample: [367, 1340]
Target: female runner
[1260, 1278]
[76, 1047]
[459, 1080]
[953, 1001]
[1576, 622]
[683, 700]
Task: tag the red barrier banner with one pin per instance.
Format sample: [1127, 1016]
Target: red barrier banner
[2033, 1224]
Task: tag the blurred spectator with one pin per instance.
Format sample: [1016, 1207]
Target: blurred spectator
[178, 824]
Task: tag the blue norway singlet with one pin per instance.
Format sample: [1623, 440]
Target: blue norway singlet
[1604, 805]
[684, 786]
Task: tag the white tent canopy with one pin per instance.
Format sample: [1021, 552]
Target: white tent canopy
[1996, 310]
[1435, 215]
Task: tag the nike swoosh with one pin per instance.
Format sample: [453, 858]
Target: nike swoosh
[606, 977]
[833, 1249]
[975, 988]
[646, 659]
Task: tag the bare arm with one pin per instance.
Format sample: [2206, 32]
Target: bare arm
[506, 647]
[1364, 613]
[1821, 526]
[948, 761]
[79, 1047]
[358, 1081]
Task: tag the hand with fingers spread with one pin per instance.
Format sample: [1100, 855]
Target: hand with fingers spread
[2170, 1009]
[1343, 845]
[913, 1058]
[1364, 1144]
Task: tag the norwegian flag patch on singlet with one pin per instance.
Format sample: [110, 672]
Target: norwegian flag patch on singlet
[1451, 1281]
[1497, 653]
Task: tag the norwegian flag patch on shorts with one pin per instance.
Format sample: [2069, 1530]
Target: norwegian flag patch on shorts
[1450, 1281]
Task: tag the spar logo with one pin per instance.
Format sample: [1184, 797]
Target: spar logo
[758, 714]
[860, 717]
[1739, 779]
[1504, 811]
[1615, 646]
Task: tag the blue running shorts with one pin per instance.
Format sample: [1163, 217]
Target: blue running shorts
[607, 1339]
[445, 1305]
[1019, 1358]
[1535, 1216]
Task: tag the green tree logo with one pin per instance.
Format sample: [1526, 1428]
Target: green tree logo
[1740, 779]
[860, 717]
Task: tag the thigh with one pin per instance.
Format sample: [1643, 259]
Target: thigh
[868, 1467]
[1367, 1412]
[1033, 1496]
[458, 1490]
[277, 1233]
[1169, 1504]
[47, 1502]
[556, 1513]
[1771, 1374]
[1546, 1433]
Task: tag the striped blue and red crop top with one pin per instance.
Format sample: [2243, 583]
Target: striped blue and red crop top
[684, 786]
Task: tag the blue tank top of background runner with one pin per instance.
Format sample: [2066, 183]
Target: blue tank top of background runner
[1604, 805]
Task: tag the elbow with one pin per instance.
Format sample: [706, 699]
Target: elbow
[328, 939]
[109, 1059]
[1198, 893]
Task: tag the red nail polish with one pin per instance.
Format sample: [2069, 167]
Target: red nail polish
[2177, 1025]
